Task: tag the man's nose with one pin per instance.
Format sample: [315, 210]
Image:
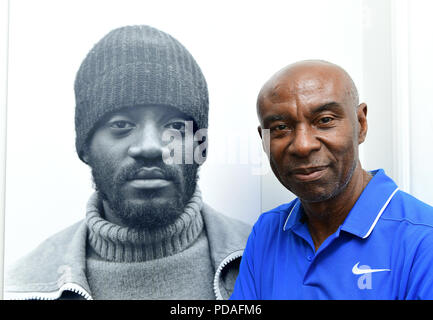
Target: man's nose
[304, 142]
[146, 143]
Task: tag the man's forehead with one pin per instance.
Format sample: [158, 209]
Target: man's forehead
[306, 82]
[302, 90]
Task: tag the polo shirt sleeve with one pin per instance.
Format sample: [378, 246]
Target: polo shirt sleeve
[420, 282]
[245, 288]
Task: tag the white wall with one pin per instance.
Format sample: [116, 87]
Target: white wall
[420, 88]
[377, 84]
[4, 18]
[397, 82]
[239, 45]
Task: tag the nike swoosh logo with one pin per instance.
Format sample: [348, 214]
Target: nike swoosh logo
[357, 271]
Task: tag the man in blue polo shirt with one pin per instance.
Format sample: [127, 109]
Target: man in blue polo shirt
[350, 234]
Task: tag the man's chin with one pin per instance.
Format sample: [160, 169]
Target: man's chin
[313, 194]
[315, 198]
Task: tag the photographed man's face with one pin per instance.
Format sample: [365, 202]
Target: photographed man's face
[314, 132]
[125, 154]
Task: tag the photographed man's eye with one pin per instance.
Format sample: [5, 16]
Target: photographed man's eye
[176, 125]
[121, 125]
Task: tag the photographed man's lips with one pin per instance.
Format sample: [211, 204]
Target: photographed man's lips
[307, 174]
[149, 178]
[149, 183]
[149, 173]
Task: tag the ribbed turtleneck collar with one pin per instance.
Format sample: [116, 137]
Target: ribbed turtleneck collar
[122, 244]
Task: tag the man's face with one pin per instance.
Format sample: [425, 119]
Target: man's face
[125, 153]
[314, 131]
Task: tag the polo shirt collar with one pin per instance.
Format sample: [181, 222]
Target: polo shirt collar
[370, 205]
[367, 210]
[295, 214]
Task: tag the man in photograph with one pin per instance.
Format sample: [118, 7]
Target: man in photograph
[350, 233]
[140, 120]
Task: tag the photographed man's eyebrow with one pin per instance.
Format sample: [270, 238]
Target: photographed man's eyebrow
[330, 106]
[125, 112]
[117, 116]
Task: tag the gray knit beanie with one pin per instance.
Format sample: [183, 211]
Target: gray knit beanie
[137, 65]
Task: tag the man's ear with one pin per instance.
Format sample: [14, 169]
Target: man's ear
[361, 113]
[85, 153]
[259, 129]
[85, 158]
[265, 137]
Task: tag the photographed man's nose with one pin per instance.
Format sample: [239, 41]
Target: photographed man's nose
[303, 143]
[147, 143]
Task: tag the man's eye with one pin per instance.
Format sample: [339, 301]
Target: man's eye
[121, 125]
[176, 125]
[325, 120]
[279, 127]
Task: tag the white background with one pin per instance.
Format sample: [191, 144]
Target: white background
[385, 45]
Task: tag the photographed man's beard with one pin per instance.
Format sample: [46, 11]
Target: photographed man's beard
[156, 211]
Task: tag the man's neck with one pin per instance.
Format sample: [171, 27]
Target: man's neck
[325, 217]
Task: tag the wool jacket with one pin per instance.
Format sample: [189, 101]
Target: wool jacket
[56, 269]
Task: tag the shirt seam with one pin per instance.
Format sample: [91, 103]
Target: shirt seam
[409, 221]
[274, 212]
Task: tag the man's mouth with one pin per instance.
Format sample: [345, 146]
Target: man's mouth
[307, 174]
[149, 178]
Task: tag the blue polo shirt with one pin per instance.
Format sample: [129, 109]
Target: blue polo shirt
[383, 250]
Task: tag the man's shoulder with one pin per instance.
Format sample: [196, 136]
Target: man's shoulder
[62, 236]
[227, 240]
[407, 208]
[223, 225]
[55, 242]
[44, 259]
